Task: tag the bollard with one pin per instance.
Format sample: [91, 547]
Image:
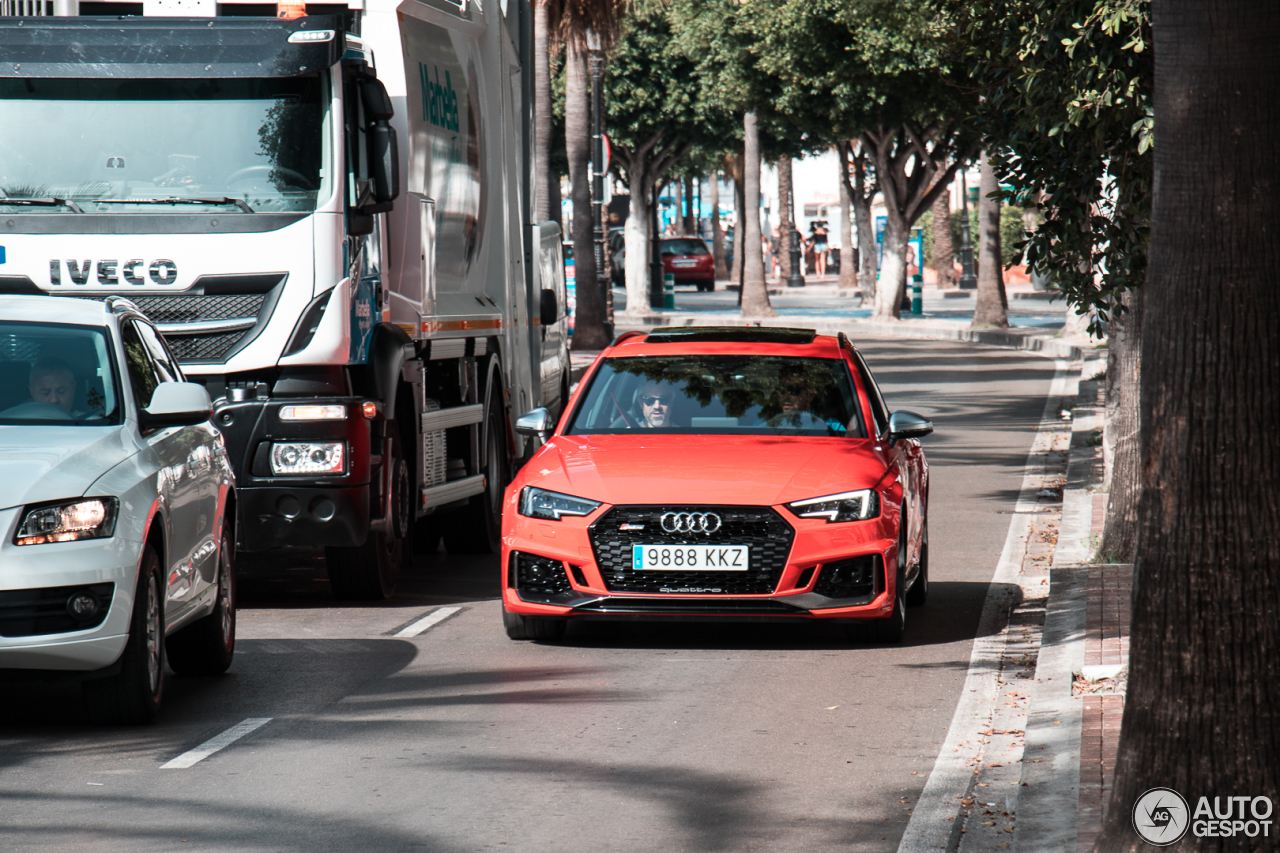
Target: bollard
[917, 298]
[669, 290]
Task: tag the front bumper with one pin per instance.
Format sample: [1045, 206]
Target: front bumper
[553, 569]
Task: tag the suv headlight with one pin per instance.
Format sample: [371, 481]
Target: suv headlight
[539, 503]
[68, 521]
[846, 506]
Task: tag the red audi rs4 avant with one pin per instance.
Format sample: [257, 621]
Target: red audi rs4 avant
[720, 474]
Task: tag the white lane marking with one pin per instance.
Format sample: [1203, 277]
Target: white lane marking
[209, 747]
[928, 828]
[435, 617]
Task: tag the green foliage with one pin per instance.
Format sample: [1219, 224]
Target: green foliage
[1012, 231]
[1068, 102]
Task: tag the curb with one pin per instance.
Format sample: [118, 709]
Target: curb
[916, 329]
[1049, 796]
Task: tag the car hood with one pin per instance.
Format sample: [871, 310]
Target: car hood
[754, 470]
[48, 463]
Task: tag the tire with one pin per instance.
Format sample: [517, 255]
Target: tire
[477, 529]
[919, 592]
[133, 694]
[891, 628]
[533, 627]
[368, 572]
[207, 646]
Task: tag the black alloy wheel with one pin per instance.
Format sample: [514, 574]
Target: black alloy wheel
[132, 695]
[919, 592]
[207, 646]
[520, 627]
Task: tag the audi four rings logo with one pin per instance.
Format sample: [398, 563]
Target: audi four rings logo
[690, 522]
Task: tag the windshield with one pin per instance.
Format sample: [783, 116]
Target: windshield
[684, 247]
[154, 146]
[721, 395]
[57, 374]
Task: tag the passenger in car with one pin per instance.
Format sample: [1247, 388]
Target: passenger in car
[53, 381]
[796, 394]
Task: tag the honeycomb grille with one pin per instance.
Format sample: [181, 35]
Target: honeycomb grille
[203, 347]
[761, 529]
[539, 575]
[855, 578]
[193, 309]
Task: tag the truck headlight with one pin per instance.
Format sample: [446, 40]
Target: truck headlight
[846, 506]
[68, 521]
[540, 503]
[308, 457]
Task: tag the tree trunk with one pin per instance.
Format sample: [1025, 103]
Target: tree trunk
[588, 332]
[991, 306]
[637, 239]
[1121, 434]
[862, 195]
[943, 253]
[755, 295]
[893, 269]
[786, 215]
[1202, 714]
[739, 206]
[542, 187]
[677, 196]
[848, 272]
[717, 233]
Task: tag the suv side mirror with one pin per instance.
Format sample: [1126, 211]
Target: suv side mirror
[908, 425]
[536, 422]
[177, 404]
[549, 307]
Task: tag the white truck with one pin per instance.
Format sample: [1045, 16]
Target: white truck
[236, 174]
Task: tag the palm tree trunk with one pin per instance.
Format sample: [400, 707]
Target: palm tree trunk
[755, 296]
[1202, 714]
[991, 307]
[543, 187]
[717, 233]
[589, 332]
[786, 215]
[848, 270]
[943, 254]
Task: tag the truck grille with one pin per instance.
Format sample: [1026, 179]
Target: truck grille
[760, 528]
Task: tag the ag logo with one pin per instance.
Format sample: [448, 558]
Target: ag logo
[1161, 817]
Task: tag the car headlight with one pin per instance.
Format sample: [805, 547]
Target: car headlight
[846, 506]
[68, 521]
[539, 503]
[307, 457]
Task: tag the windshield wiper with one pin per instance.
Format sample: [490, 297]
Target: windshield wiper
[177, 200]
[43, 202]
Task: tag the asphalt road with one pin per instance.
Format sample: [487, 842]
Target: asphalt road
[620, 738]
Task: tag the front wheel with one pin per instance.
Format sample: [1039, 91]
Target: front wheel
[533, 627]
[892, 628]
[919, 592]
[133, 694]
[368, 572]
[207, 646]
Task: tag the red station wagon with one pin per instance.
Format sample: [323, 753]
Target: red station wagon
[720, 473]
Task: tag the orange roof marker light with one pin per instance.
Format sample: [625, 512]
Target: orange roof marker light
[291, 9]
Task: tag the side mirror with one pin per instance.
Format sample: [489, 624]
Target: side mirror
[908, 425]
[549, 308]
[536, 422]
[383, 148]
[177, 404]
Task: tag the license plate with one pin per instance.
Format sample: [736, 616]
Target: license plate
[684, 263]
[689, 558]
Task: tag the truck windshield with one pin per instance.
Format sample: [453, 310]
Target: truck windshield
[95, 145]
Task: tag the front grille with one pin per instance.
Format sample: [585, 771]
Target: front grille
[538, 575]
[688, 605]
[763, 530]
[853, 578]
[188, 348]
[34, 612]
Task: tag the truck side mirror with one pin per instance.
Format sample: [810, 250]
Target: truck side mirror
[383, 147]
[550, 309]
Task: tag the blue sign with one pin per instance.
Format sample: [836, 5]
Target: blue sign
[1, 254]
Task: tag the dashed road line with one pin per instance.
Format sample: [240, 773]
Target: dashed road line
[432, 619]
[209, 747]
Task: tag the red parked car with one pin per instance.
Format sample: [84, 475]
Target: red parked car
[690, 261]
[733, 473]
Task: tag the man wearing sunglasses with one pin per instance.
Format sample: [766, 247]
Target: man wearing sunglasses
[653, 405]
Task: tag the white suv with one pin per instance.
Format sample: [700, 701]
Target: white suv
[116, 507]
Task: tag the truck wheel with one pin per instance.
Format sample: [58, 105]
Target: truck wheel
[133, 694]
[207, 646]
[368, 572]
[478, 527]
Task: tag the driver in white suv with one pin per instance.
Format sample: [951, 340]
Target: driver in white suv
[53, 381]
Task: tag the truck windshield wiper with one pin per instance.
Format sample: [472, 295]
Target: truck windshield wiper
[43, 202]
[177, 200]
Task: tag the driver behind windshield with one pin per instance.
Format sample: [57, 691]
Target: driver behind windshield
[52, 381]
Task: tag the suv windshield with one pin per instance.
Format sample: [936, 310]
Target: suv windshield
[721, 395]
[58, 375]
[158, 146]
